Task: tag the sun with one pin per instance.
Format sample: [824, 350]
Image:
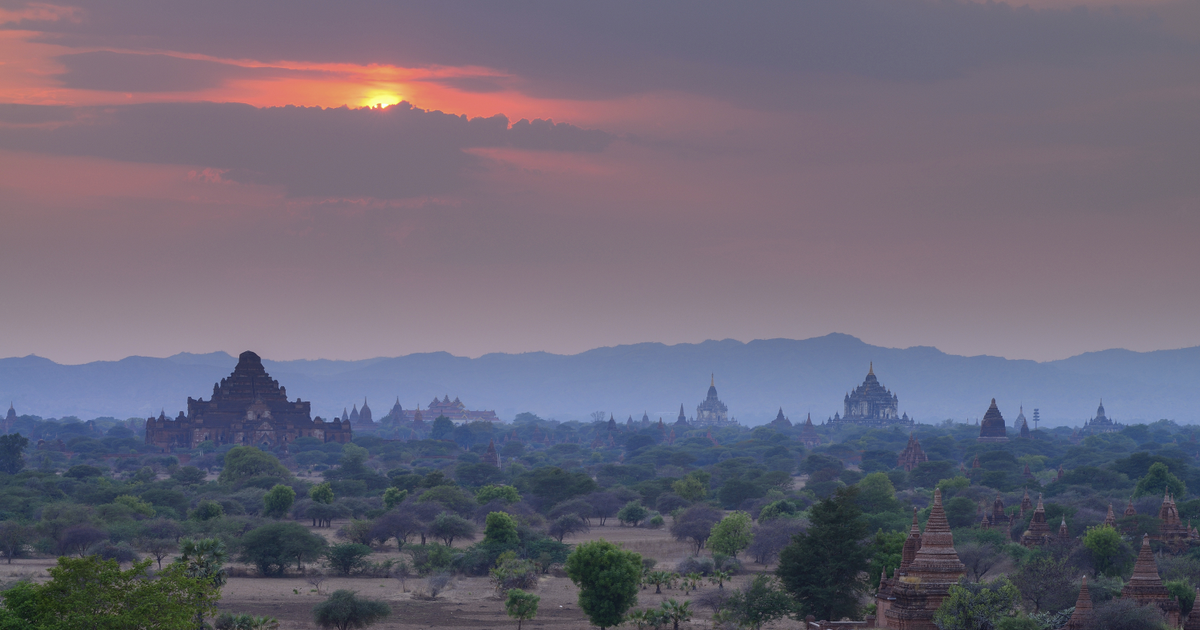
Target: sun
[380, 98]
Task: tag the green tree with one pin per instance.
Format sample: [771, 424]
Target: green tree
[1105, 544]
[487, 494]
[877, 494]
[732, 535]
[12, 447]
[96, 594]
[1158, 481]
[346, 558]
[885, 554]
[321, 493]
[394, 496]
[274, 546]
[633, 513]
[760, 602]
[690, 488]
[1182, 592]
[500, 529]
[821, 567]
[442, 429]
[243, 462]
[521, 605]
[448, 527]
[976, 606]
[278, 500]
[607, 577]
[14, 537]
[344, 610]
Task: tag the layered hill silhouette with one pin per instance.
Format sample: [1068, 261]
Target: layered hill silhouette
[754, 379]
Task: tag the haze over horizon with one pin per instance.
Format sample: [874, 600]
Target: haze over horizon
[372, 179]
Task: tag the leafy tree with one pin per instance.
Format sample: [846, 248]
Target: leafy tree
[12, 447]
[500, 529]
[243, 462]
[690, 488]
[604, 505]
[188, 475]
[885, 554]
[554, 485]
[345, 558]
[206, 511]
[159, 548]
[735, 491]
[978, 557]
[1126, 614]
[771, 536]
[695, 524]
[443, 428]
[566, 525]
[633, 513]
[14, 537]
[521, 605]
[393, 496]
[272, 547]
[398, 524]
[451, 498]
[322, 493]
[76, 540]
[607, 577]
[344, 610]
[1182, 592]
[487, 494]
[976, 606]
[820, 568]
[1046, 582]
[96, 594]
[1158, 481]
[732, 534]
[278, 501]
[448, 526]
[928, 474]
[1105, 544]
[877, 494]
[760, 602]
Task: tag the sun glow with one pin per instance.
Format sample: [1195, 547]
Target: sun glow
[380, 98]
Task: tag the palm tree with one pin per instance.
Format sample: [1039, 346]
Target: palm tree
[677, 612]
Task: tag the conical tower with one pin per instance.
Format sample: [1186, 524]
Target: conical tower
[934, 569]
[1193, 620]
[1082, 617]
[1146, 587]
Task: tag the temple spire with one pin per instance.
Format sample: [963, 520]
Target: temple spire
[871, 369]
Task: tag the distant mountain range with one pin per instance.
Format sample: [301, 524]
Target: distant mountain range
[754, 379]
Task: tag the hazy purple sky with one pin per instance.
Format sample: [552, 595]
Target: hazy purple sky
[1021, 181]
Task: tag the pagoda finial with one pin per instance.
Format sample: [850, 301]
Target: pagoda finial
[871, 370]
[712, 382]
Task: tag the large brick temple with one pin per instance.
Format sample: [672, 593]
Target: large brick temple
[247, 408]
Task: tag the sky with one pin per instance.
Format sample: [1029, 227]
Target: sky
[359, 179]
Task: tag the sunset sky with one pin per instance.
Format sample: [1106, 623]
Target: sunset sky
[357, 179]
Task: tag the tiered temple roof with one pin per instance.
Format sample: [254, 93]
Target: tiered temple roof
[1021, 423]
[247, 408]
[1081, 618]
[992, 428]
[1193, 620]
[712, 412]
[926, 581]
[1110, 520]
[1171, 530]
[781, 421]
[871, 404]
[1039, 531]
[491, 456]
[808, 434]
[1146, 587]
[455, 410]
[912, 455]
[1100, 424]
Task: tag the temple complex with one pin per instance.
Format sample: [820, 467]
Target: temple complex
[1110, 520]
[992, 428]
[871, 404]
[1146, 587]
[247, 408]
[491, 456]
[682, 420]
[1171, 531]
[455, 410]
[1038, 533]
[923, 583]
[10, 419]
[364, 415]
[912, 455]
[712, 412]
[780, 421]
[1100, 424]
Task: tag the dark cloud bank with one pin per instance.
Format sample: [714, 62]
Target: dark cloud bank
[397, 152]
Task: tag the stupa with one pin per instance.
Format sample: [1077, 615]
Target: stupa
[926, 581]
[992, 428]
[1146, 587]
[1081, 618]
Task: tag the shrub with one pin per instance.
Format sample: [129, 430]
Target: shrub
[344, 610]
[512, 572]
[632, 514]
[521, 605]
[345, 558]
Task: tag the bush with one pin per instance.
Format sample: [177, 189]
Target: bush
[272, 547]
[694, 564]
[346, 558]
[632, 514]
[344, 610]
[512, 572]
[521, 605]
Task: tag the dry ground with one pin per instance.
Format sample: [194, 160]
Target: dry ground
[469, 604]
